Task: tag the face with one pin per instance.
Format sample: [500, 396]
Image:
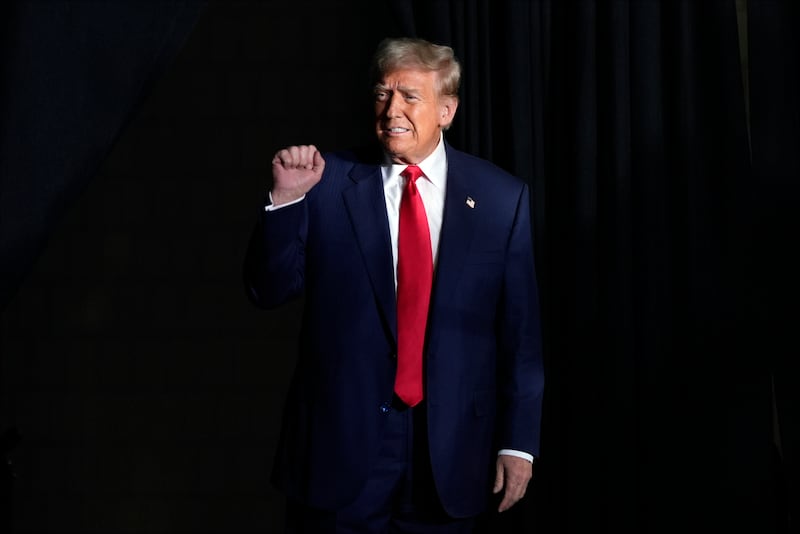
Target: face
[410, 114]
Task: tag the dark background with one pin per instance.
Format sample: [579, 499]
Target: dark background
[135, 149]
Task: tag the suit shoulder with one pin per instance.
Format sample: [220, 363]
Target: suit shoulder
[483, 169]
[351, 157]
[342, 169]
[337, 162]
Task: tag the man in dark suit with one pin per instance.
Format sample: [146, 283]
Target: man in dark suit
[419, 379]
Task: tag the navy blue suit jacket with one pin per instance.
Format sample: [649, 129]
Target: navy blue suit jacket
[483, 365]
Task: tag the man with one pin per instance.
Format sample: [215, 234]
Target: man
[419, 380]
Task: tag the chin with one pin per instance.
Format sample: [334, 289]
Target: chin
[392, 148]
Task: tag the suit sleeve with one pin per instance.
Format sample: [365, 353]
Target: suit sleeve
[521, 370]
[275, 263]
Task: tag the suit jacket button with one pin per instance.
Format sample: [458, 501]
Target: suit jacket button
[386, 407]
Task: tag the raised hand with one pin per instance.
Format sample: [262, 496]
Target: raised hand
[295, 170]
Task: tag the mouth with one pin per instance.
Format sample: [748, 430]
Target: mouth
[395, 131]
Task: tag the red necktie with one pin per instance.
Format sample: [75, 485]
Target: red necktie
[414, 280]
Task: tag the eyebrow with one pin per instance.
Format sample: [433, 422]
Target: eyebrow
[400, 89]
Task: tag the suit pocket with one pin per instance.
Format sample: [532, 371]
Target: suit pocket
[485, 401]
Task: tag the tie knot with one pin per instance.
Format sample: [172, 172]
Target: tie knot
[412, 172]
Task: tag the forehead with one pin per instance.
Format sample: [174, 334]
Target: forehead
[410, 79]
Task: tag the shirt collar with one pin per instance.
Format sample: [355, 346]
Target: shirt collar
[434, 166]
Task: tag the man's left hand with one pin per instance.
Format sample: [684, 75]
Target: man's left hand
[513, 474]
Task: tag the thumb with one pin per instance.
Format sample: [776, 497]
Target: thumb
[319, 162]
[499, 478]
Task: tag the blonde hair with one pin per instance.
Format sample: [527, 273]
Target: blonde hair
[412, 53]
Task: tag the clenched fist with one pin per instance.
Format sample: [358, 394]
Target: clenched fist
[295, 170]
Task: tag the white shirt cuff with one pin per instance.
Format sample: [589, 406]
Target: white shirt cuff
[273, 207]
[518, 454]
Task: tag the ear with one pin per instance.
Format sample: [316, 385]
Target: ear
[447, 110]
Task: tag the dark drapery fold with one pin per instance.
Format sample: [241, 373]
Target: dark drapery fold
[773, 266]
[73, 73]
[628, 120]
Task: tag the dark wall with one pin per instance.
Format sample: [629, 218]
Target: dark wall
[146, 389]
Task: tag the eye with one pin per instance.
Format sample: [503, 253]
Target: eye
[381, 96]
[411, 98]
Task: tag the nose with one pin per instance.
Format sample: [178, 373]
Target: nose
[393, 105]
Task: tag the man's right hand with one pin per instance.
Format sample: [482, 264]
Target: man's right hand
[295, 170]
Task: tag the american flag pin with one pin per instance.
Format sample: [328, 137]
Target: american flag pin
[470, 202]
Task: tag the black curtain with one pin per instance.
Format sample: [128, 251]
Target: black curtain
[774, 84]
[73, 74]
[629, 120]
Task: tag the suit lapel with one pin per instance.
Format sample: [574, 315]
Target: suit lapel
[366, 207]
[456, 238]
[367, 210]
